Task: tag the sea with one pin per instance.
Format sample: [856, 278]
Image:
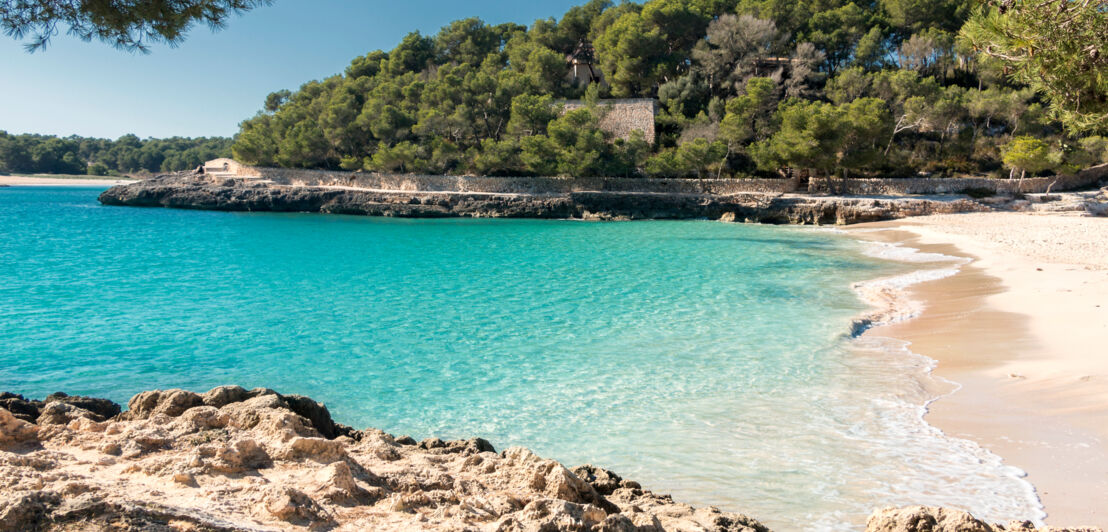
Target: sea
[712, 361]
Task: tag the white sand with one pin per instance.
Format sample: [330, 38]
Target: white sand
[19, 181]
[1024, 329]
[1055, 270]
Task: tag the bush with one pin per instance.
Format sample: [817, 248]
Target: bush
[98, 169]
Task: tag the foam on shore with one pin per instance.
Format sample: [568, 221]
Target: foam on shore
[892, 303]
[888, 295]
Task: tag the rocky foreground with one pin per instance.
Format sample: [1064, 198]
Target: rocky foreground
[232, 459]
[198, 191]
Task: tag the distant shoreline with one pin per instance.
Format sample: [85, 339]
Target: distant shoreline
[23, 181]
[1020, 329]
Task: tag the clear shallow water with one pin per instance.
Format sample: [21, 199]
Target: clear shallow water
[706, 360]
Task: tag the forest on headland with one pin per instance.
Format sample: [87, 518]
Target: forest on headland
[744, 88]
[46, 154]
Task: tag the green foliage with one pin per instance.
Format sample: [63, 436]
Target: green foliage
[735, 49]
[749, 118]
[531, 114]
[1057, 47]
[878, 87]
[1027, 154]
[1090, 151]
[100, 169]
[807, 138]
[825, 137]
[837, 31]
[126, 25]
[913, 16]
[631, 53]
[701, 157]
[42, 154]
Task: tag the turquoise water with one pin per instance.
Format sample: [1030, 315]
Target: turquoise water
[703, 359]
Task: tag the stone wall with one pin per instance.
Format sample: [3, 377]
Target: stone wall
[621, 117]
[521, 185]
[228, 167]
[935, 185]
[562, 185]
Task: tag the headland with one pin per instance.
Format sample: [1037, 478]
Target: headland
[234, 187]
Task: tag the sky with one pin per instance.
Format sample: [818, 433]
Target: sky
[212, 81]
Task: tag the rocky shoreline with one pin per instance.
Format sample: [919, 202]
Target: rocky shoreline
[236, 459]
[198, 191]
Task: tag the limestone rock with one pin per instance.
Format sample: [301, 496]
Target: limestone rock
[292, 505]
[232, 459]
[316, 449]
[101, 409]
[168, 402]
[14, 431]
[24, 511]
[336, 483]
[67, 408]
[317, 414]
[470, 446]
[200, 192]
[63, 413]
[221, 396]
[549, 477]
[931, 519]
[20, 407]
[605, 482]
[555, 514]
[238, 456]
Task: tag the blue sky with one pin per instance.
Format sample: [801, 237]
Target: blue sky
[212, 81]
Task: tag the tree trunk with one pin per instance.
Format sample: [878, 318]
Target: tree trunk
[719, 172]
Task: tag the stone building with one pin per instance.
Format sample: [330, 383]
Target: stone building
[622, 116]
[582, 65]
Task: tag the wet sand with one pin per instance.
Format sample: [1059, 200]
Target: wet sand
[1024, 330]
[20, 181]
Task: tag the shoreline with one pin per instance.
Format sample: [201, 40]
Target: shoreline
[1017, 327]
[237, 459]
[209, 192]
[25, 181]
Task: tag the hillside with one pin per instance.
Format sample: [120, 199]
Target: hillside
[743, 87]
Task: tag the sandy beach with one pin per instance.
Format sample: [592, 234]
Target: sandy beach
[21, 181]
[1023, 328]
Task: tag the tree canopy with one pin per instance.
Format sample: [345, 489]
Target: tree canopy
[44, 154]
[744, 88]
[1057, 47]
[130, 24]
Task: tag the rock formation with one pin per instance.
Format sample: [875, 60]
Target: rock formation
[929, 519]
[190, 191]
[253, 460]
[233, 459]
